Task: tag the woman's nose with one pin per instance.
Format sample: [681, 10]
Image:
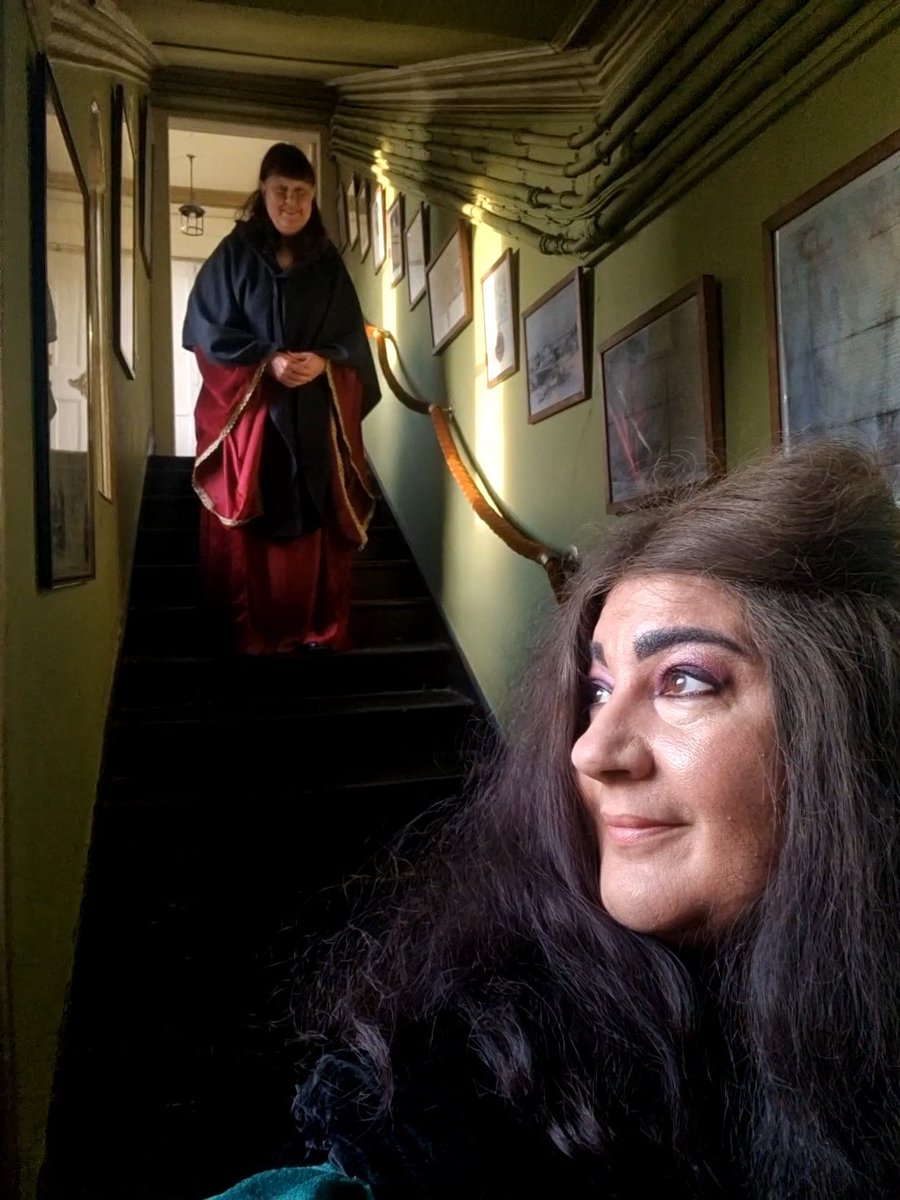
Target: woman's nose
[612, 746]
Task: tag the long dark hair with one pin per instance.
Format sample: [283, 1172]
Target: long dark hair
[500, 926]
[284, 158]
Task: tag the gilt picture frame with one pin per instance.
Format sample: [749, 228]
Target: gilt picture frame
[449, 285]
[662, 398]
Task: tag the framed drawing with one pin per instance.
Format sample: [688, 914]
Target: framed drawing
[376, 211]
[662, 397]
[395, 241]
[556, 351]
[832, 261]
[352, 218]
[145, 190]
[449, 284]
[341, 208]
[62, 303]
[123, 231]
[500, 302]
[362, 211]
[417, 252]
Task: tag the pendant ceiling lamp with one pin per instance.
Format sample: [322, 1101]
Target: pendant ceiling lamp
[192, 214]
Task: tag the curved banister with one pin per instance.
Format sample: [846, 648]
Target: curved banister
[558, 566]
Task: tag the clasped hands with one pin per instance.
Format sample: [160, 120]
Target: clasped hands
[293, 368]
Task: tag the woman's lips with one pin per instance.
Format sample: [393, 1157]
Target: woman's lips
[627, 830]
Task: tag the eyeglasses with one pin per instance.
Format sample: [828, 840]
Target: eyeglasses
[295, 194]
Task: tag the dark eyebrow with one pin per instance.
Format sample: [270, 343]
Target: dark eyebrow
[661, 639]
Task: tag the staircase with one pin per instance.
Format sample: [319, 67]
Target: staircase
[236, 793]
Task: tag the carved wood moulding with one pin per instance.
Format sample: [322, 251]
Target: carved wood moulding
[574, 151]
[95, 33]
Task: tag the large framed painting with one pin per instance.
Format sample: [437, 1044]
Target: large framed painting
[662, 397]
[557, 360]
[449, 279]
[62, 341]
[124, 241]
[833, 275]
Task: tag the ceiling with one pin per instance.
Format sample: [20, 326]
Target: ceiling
[330, 39]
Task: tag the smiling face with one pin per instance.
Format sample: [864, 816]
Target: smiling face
[677, 763]
[289, 203]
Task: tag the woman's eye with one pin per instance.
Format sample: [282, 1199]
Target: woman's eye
[683, 683]
[598, 692]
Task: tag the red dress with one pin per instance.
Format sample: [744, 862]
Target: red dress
[281, 472]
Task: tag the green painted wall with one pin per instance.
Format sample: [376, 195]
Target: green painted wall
[551, 476]
[60, 646]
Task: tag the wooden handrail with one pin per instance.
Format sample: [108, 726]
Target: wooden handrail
[558, 566]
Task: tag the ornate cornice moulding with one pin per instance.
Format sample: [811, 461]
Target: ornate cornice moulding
[95, 33]
[575, 151]
[239, 96]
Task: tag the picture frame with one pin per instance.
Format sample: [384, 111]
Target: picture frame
[557, 361]
[124, 225]
[352, 216]
[418, 245]
[145, 189]
[449, 286]
[340, 205]
[376, 213]
[500, 310]
[362, 211]
[831, 296]
[396, 241]
[662, 398]
[62, 302]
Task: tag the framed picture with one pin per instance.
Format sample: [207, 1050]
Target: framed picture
[341, 209]
[834, 320]
[145, 190]
[417, 252]
[123, 231]
[500, 302]
[62, 303]
[395, 241]
[376, 211]
[662, 397]
[556, 351]
[449, 283]
[352, 218]
[362, 211]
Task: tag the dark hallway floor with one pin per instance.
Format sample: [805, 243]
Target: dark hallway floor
[233, 791]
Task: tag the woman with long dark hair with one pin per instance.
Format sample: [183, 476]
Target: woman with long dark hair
[658, 951]
[288, 375]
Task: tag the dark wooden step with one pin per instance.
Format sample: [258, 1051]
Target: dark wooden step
[177, 684]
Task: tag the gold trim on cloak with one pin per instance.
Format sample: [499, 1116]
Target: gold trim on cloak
[205, 499]
[336, 420]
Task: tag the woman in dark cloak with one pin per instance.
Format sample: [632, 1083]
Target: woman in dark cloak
[657, 954]
[276, 326]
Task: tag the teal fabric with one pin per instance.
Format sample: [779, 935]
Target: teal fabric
[299, 1183]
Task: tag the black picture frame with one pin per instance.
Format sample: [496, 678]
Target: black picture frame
[396, 247]
[61, 256]
[123, 231]
[145, 191]
[557, 355]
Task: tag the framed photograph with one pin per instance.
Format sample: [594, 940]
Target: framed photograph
[556, 350]
[145, 190]
[834, 321]
[395, 241]
[123, 231]
[417, 253]
[62, 303]
[341, 209]
[449, 284]
[662, 397]
[362, 211]
[500, 302]
[352, 218]
[376, 211]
